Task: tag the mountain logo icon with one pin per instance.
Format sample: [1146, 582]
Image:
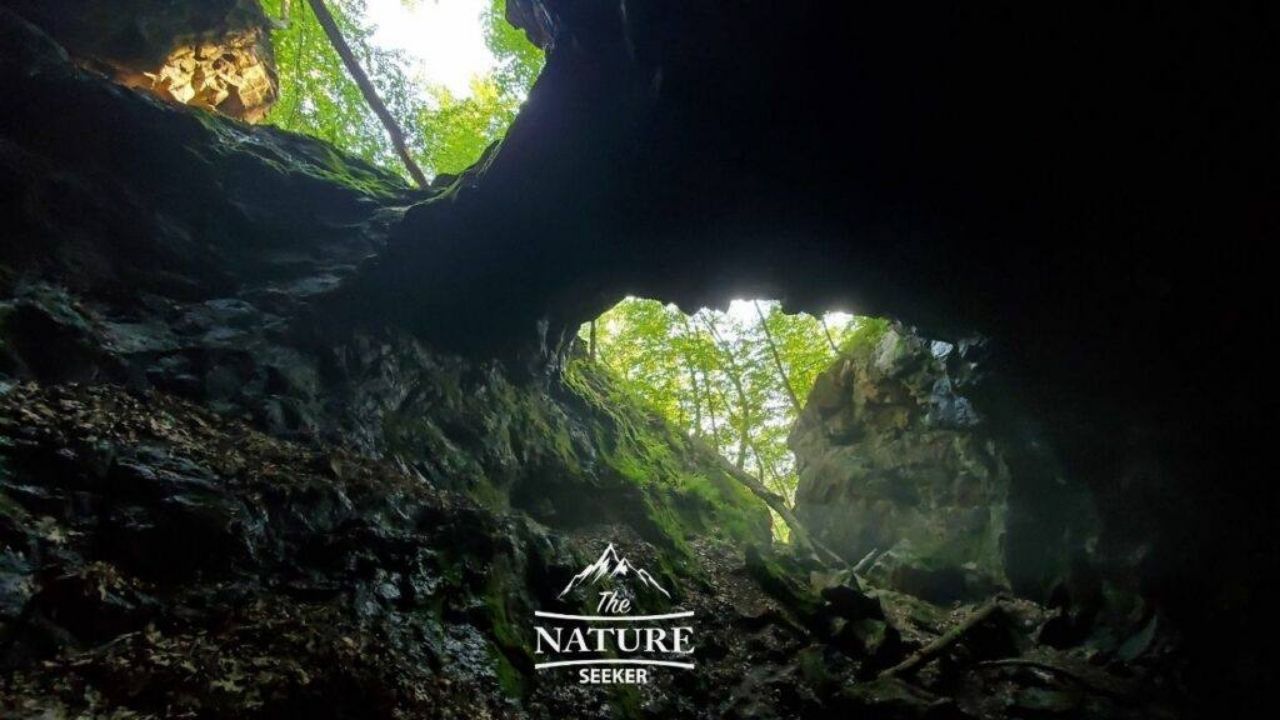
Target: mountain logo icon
[612, 566]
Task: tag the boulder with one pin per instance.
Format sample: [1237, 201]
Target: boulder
[905, 448]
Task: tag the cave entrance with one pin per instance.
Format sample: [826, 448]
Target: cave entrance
[735, 378]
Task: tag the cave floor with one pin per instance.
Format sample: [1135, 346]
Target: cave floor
[162, 561]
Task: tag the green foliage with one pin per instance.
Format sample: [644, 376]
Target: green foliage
[714, 374]
[455, 131]
[519, 61]
[318, 96]
[445, 133]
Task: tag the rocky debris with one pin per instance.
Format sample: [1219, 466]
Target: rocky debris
[214, 55]
[162, 560]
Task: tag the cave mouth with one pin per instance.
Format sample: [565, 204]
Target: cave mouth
[872, 444]
[736, 378]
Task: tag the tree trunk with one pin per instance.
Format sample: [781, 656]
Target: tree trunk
[591, 341]
[691, 367]
[366, 88]
[697, 398]
[827, 331]
[767, 473]
[777, 359]
[799, 535]
[711, 410]
[735, 378]
[744, 423]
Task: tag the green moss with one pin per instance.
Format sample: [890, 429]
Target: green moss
[687, 488]
[813, 666]
[866, 335]
[783, 585]
[293, 154]
[511, 647]
[626, 701]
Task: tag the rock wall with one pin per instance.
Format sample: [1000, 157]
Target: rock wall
[907, 448]
[216, 55]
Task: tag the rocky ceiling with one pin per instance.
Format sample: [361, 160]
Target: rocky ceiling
[998, 167]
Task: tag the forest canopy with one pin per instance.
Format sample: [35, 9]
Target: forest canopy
[736, 378]
[446, 132]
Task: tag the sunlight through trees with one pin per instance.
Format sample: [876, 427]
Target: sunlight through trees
[444, 131]
[735, 378]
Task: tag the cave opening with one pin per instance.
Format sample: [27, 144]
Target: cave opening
[421, 89]
[872, 444]
[736, 378]
[452, 76]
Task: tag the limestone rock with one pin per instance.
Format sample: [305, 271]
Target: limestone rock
[891, 458]
[896, 455]
[211, 54]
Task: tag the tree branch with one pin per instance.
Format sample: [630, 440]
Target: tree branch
[827, 331]
[777, 360]
[946, 640]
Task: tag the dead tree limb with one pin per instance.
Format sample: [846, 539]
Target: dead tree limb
[946, 640]
[1053, 669]
[367, 89]
[867, 561]
[799, 535]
